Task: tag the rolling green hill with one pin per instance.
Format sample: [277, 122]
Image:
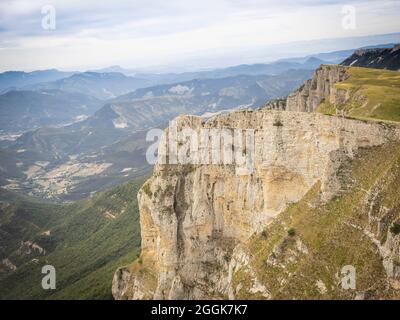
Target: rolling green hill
[85, 241]
[370, 94]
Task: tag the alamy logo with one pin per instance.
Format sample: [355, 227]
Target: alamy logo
[49, 18]
[207, 146]
[49, 280]
[349, 21]
[348, 278]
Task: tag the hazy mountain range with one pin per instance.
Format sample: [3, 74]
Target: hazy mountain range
[17, 79]
[85, 132]
[67, 138]
[28, 110]
[109, 146]
[379, 58]
[99, 85]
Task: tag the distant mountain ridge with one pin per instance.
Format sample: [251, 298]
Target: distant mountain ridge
[336, 57]
[273, 68]
[305, 62]
[109, 147]
[379, 58]
[28, 110]
[18, 79]
[129, 80]
[99, 85]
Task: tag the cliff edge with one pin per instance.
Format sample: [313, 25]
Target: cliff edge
[247, 222]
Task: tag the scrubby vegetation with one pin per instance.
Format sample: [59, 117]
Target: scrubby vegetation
[146, 190]
[335, 235]
[85, 241]
[326, 108]
[395, 228]
[291, 232]
[373, 94]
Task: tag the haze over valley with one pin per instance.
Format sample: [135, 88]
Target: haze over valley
[190, 151]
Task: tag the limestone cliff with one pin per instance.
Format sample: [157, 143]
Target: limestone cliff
[276, 104]
[355, 92]
[320, 87]
[198, 220]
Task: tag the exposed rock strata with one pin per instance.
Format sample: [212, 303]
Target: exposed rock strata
[195, 217]
[316, 90]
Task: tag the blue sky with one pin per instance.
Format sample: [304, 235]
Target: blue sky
[202, 33]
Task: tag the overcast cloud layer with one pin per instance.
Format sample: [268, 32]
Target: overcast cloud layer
[138, 34]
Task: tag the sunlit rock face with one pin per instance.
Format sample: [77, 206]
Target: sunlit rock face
[320, 87]
[196, 215]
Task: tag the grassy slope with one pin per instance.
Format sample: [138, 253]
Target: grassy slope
[84, 246]
[374, 94]
[333, 234]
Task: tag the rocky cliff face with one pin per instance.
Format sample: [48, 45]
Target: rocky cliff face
[276, 104]
[380, 58]
[196, 217]
[323, 88]
[320, 87]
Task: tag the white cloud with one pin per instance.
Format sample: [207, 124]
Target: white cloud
[144, 33]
